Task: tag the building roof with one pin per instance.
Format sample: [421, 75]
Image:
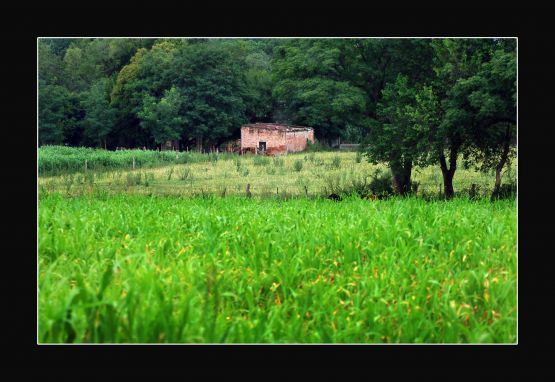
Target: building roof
[277, 127]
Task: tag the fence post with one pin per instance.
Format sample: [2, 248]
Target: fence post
[306, 191]
[133, 163]
[85, 165]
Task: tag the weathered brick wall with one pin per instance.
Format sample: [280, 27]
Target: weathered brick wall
[296, 140]
[275, 139]
[278, 140]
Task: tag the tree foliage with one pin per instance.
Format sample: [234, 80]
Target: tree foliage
[100, 116]
[162, 117]
[313, 87]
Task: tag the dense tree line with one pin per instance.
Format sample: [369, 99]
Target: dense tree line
[410, 101]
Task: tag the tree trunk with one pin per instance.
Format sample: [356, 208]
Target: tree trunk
[401, 177]
[497, 179]
[449, 173]
[200, 143]
[501, 164]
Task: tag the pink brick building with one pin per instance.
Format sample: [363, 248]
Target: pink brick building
[274, 138]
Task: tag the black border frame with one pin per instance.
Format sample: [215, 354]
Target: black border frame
[535, 63]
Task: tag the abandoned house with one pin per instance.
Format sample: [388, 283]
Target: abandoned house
[274, 138]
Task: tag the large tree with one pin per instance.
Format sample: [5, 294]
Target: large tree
[162, 118]
[476, 84]
[259, 103]
[100, 116]
[149, 72]
[393, 140]
[393, 72]
[337, 86]
[314, 87]
[72, 106]
[213, 89]
[493, 101]
[208, 76]
[54, 105]
[402, 136]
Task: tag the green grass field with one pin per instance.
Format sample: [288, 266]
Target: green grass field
[227, 174]
[173, 251]
[126, 268]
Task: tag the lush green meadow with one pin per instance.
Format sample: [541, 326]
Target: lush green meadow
[173, 251]
[191, 174]
[132, 268]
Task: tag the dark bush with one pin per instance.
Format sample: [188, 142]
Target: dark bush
[378, 185]
[316, 146]
[381, 183]
[506, 191]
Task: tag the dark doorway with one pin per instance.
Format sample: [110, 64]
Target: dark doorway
[262, 146]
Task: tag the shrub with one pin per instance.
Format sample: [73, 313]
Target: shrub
[89, 177]
[133, 179]
[358, 157]
[506, 191]
[474, 191]
[332, 185]
[261, 160]
[278, 162]
[414, 187]
[185, 174]
[68, 182]
[359, 186]
[311, 157]
[381, 183]
[298, 165]
[378, 184]
[213, 157]
[169, 173]
[316, 146]
[336, 161]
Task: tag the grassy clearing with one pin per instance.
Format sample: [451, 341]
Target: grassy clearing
[131, 268]
[291, 175]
